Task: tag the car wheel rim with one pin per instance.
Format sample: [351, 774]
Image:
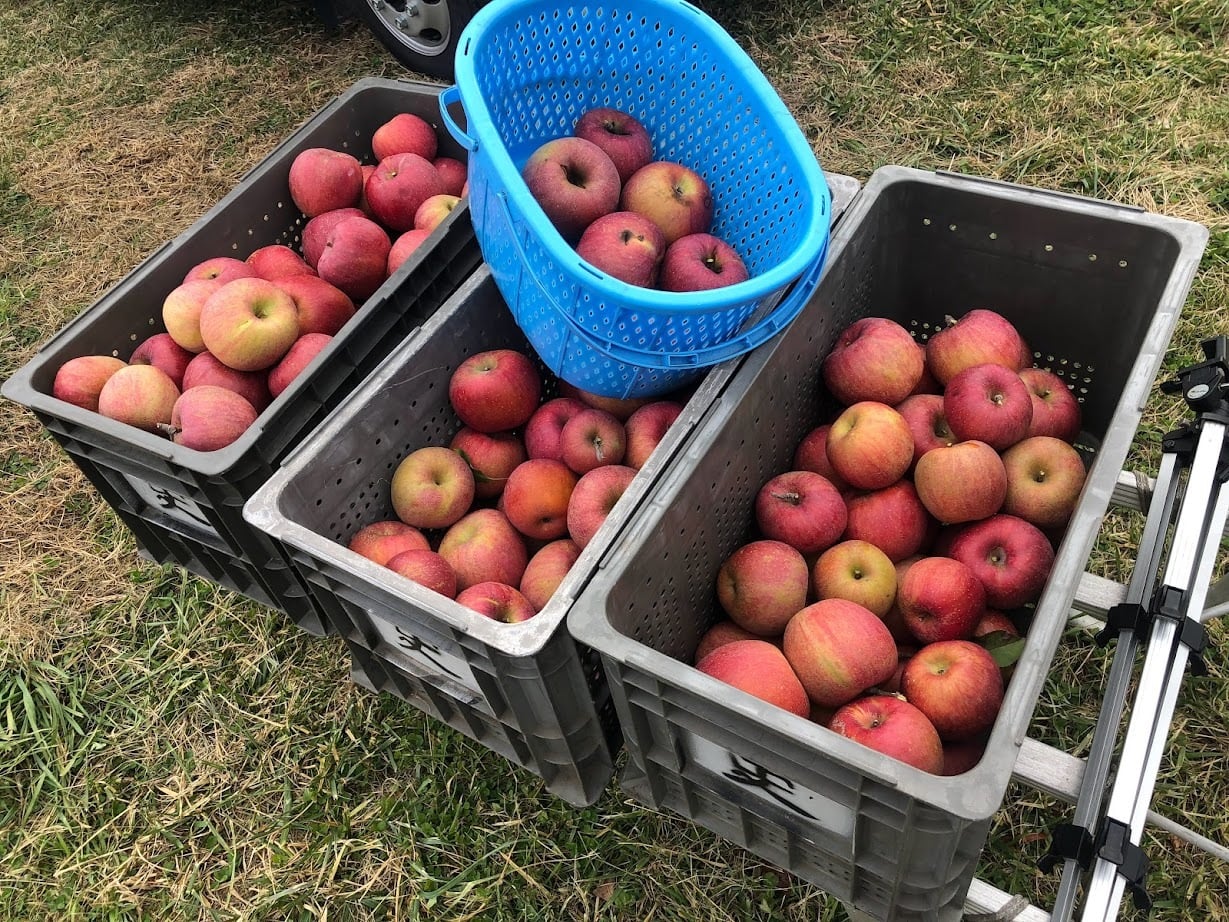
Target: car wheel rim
[422, 26]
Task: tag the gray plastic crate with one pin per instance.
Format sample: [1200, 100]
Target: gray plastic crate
[1096, 289]
[186, 507]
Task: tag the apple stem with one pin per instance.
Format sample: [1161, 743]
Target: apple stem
[794, 499]
[949, 320]
[597, 447]
[168, 430]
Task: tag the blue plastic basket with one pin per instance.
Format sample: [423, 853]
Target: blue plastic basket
[526, 70]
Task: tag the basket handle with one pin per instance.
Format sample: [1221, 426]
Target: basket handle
[449, 96]
[761, 331]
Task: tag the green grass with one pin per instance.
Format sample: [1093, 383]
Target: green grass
[171, 750]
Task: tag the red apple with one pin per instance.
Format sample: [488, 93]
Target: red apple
[927, 423]
[961, 482]
[79, 381]
[454, 173]
[981, 336]
[1056, 411]
[252, 386]
[594, 498]
[405, 132]
[381, 541]
[675, 197]
[222, 269]
[498, 601]
[161, 350]
[960, 756]
[956, 684]
[432, 212]
[536, 498]
[544, 430]
[839, 649]
[874, 358]
[483, 546]
[139, 395]
[1045, 476]
[322, 179]
[322, 306]
[724, 632]
[427, 568]
[207, 418]
[870, 446]
[492, 456]
[399, 186]
[988, 402]
[621, 408]
[574, 182]
[760, 669]
[249, 324]
[181, 312]
[625, 245]
[701, 262]
[495, 390]
[1011, 558]
[277, 261]
[546, 571]
[620, 135]
[811, 454]
[432, 487]
[893, 727]
[404, 245]
[355, 257]
[801, 508]
[893, 519]
[297, 358]
[316, 231]
[762, 585]
[941, 599]
[592, 438]
[645, 429]
[857, 571]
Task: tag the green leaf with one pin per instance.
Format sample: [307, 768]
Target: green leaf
[1003, 646]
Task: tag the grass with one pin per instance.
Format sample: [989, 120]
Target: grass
[171, 750]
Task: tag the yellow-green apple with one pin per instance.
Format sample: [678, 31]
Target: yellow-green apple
[960, 756]
[454, 173]
[536, 497]
[79, 381]
[277, 261]
[1056, 411]
[595, 496]
[701, 262]
[979, 337]
[758, 668]
[723, 632]
[405, 244]
[988, 402]
[399, 186]
[621, 135]
[927, 423]
[300, 354]
[1044, 478]
[892, 518]
[675, 197]
[316, 231]
[427, 568]
[574, 181]
[252, 386]
[625, 245]
[181, 312]
[484, 546]
[546, 570]
[957, 684]
[249, 324]
[592, 438]
[1011, 557]
[219, 268]
[322, 179]
[207, 418]
[940, 599]
[811, 454]
[858, 571]
[322, 306]
[874, 358]
[162, 350]
[839, 649]
[801, 508]
[495, 390]
[761, 585]
[544, 429]
[432, 212]
[432, 487]
[355, 257]
[492, 456]
[963, 482]
[893, 727]
[619, 407]
[646, 428]
[139, 395]
[870, 446]
[405, 132]
[381, 541]
[498, 601]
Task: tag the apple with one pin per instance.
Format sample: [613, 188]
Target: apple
[432, 487]
[941, 599]
[801, 508]
[927, 423]
[595, 496]
[495, 390]
[761, 585]
[222, 269]
[979, 337]
[432, 212]
[321, 305]
[990, 403]
[575, 183]
[1011, 557]
[322, 179]
[870, 446]
[454, 173]
[208, 417]
[892, 518]
[893, 727]
[760, 669]
[996, 622]
[1056, 411]
[811, 454]
[874, 358]
[857, 571]
[620, 135]
[398, 188]
[492, 456]
[645, 429]
[249, 324]
[483, 546]
[1045, 476]
[957, 685]
[928, 383]
[405, 132]
[368, 169]
[675, 197]
[592, 438]
[277, 261]
[839, 649]
[625, 245]
[80, 380]
[963, 482]
[355, 257]
[498, 601]
[723, 632]
[544, 430]
[300, 354]
[252, 386]
[381, 541]
[181, 312]
[960, 756]
[139, 395]
[621, 408]
[536, 498]
[701, 262]
[162, 350]
[427, 568]
[546, 571]
[316, 231]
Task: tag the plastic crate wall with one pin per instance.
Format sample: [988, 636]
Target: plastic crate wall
[1096, 289]
[191, 503]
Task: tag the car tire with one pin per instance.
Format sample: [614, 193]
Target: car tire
[421, 34]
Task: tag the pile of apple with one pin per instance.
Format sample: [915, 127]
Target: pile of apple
[238, 331]
[496, 518]
[640, 220]
[893, 562]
